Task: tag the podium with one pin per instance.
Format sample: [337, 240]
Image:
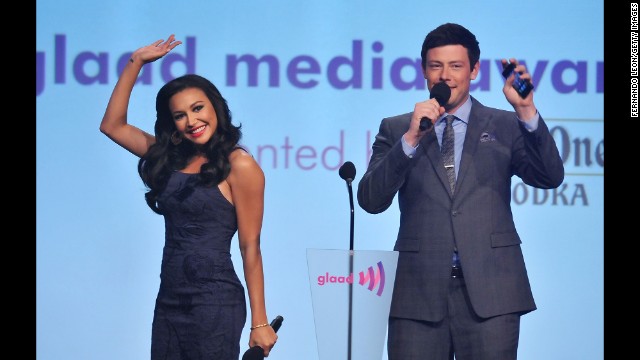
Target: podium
[351, 296]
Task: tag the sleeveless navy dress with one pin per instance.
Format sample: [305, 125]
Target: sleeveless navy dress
[200, 309]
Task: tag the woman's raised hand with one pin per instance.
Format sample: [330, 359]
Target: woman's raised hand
[155, 50]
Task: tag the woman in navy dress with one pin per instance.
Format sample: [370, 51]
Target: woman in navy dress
[207, 188]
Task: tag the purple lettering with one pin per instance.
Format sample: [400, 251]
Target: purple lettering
[90, 67]
[39, 72]
[145, 73]
[600, 77]
[296, 67]
[339, 149]
[101, 60]
[579, 69]
[416, 81]
[189, 61]
[355, 64]
[261, 148]
[331, 157]
[483, 80]
[302, 72]
[376, 66]
[60, 59]
[305, 152]
[286, 147]
[252, 69]
[537, 72]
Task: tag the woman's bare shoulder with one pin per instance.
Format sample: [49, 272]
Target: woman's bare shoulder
[243, 163]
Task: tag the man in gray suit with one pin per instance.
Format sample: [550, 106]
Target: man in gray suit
[461, 283]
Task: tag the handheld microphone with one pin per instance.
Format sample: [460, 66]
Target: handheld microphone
[441, 92]
[257, 352]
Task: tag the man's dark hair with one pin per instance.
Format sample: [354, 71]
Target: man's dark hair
[451, 34]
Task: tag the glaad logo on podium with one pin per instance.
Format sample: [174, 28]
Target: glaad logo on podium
[371, 277]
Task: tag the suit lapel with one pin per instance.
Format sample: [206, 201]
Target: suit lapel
[477, 121]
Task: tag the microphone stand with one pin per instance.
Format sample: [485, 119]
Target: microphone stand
[351, 205]
[348, 172]
[350, 271]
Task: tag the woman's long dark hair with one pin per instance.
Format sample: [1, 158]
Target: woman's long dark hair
[163, 157]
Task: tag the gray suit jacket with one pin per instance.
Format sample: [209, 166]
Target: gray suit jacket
[478, 216]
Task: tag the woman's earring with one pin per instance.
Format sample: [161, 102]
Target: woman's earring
[176, 139]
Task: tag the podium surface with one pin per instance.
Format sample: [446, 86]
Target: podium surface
[351, 295]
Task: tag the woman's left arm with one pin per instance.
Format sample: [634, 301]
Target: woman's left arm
[247, 184]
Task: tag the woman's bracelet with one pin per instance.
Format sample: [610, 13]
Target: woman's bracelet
[258, 326]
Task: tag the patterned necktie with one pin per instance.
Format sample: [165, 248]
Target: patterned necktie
[447, 150]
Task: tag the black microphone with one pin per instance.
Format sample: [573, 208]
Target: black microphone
[257, 352]
[441, 92]
[347, 171]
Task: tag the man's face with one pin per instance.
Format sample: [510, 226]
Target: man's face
[450, 63]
